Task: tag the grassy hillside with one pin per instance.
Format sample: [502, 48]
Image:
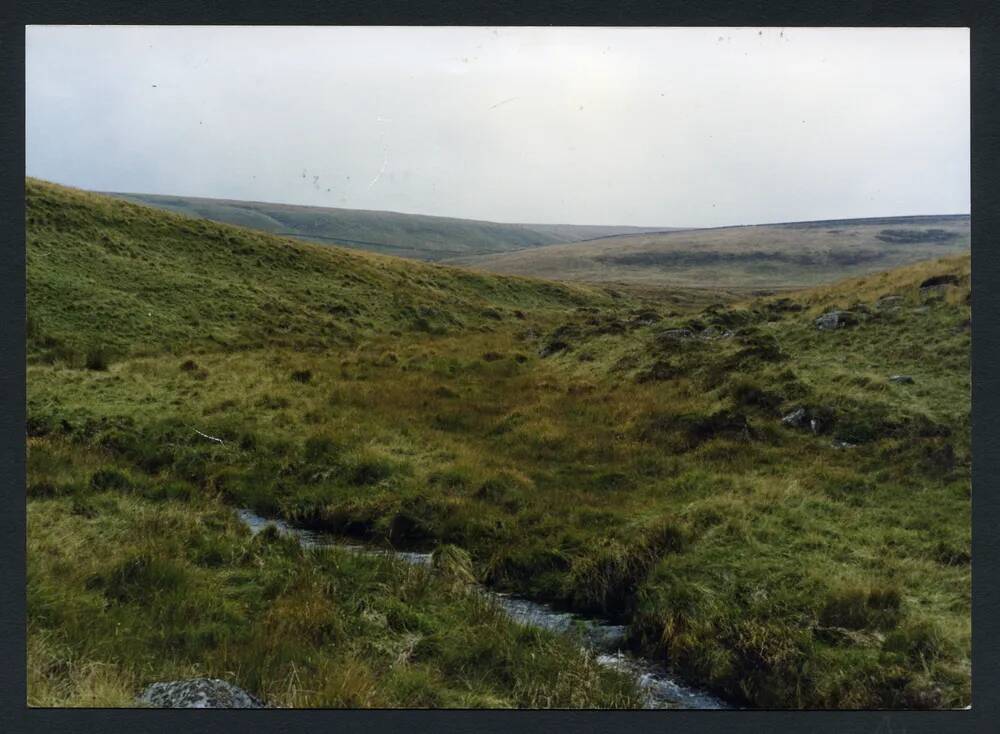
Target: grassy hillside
[167, 282]
[622, 457]
[763, 256]
[180, 588]
[404, 235]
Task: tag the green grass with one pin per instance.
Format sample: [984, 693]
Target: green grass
[179, 588]
[390, 233]
[169, 282]
[627, 473]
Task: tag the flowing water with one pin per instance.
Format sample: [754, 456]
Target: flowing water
[660, 688]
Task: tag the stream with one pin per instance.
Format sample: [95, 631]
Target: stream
[660, 688]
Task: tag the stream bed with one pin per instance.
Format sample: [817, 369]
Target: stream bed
[660, 688]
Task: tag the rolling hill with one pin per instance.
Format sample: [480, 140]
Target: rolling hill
[779, 512]
[755, 256]
[219, 285]
[405, 235]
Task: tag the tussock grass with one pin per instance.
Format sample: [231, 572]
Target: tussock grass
[770, 562]
[180, 589]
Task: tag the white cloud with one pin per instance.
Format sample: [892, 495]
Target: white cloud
[614, 126]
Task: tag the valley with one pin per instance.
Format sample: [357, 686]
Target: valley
[415, 236]
[755, 499]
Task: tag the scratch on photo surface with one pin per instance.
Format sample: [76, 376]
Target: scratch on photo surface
[385, 163]
[504, 102]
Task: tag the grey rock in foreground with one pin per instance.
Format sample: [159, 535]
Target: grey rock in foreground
[901, 379]
[199, 693]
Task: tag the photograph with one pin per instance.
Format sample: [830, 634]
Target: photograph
[498, 367]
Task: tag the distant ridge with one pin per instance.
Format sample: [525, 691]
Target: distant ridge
[780, 255]
[417, 236]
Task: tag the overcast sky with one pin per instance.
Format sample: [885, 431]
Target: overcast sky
[692, 127]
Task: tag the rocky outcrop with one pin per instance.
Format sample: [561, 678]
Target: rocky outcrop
[815, 419]
[836, 320]
[798, 418]
[198, 693]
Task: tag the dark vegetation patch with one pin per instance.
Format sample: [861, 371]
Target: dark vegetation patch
[951, 554]
[553, 346]
[110, 479]
[606, 582]
[914, 236]
[137, 579]
[687, 431]
[939, 280]
[756, 349]
[748, 394]
[97, 359]
[860, 608]
[693, 258]
[659, 371]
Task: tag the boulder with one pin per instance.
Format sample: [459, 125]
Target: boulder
[198, 693]
[798, 418]
[816, 420]
[901, 379]
[836, 320]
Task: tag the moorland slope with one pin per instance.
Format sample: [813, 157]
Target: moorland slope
[769, 506]
[415, 236]
[772, 256]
